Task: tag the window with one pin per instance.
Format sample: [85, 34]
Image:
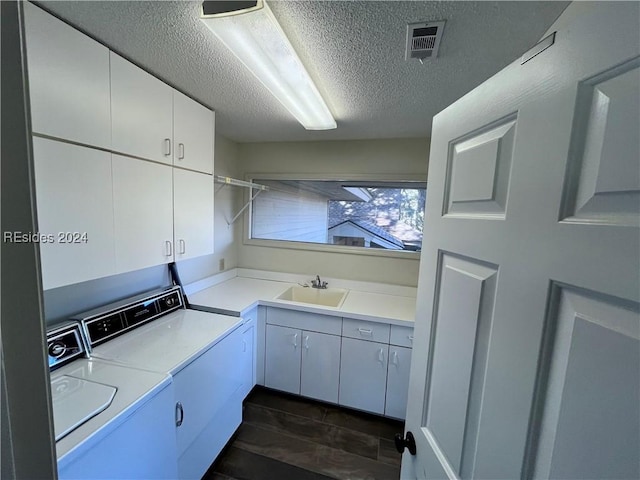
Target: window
[378, 215]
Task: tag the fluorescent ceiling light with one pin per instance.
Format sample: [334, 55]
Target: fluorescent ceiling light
[255, 37]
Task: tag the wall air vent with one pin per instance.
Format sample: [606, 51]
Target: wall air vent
[423, 40]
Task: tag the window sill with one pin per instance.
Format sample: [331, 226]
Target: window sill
[325, 248]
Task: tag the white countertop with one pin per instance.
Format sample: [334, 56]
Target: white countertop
[239, 294]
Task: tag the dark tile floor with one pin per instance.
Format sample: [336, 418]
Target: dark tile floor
[289, 437]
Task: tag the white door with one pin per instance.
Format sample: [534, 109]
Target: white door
[193, 127]
[68, 81]
[75, 212]
[141, 112]
[143, 213]
[526, 354]
[397, 382]
[320, 371]
[282, 358]
[192, 213]
[363, 374]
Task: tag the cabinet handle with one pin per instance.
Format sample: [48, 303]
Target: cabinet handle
[180, 151]
[306, 342]
[179, 414]
[381, 356]
[394, 358]
[410, 337]
[244, 346]
[169, 248]
[167, 147]
[183, 247]
[365, 331]
[295, 340]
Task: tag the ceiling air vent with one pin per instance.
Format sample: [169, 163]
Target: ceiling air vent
[423, 40]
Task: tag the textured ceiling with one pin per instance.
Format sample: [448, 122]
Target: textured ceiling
[354, 50]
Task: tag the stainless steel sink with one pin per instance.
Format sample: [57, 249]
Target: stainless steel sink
[327, 297]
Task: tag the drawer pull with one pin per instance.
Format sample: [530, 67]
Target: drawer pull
[365, 331]
[179, 414]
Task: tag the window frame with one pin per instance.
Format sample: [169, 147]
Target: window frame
[324, 247]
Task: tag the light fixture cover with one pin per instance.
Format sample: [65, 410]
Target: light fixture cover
[256, 38]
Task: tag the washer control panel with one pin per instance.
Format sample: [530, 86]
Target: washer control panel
[116, 319]
[64, 343]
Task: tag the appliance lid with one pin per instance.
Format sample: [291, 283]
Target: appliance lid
[75, 401]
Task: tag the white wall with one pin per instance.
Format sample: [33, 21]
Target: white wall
[361, 157]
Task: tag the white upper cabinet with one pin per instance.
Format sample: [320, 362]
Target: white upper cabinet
[74, 200]
[193, 214]
[141, 112]
[193, 134]
[68, 81]
[143, 213]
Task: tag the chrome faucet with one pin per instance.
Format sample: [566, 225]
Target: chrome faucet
[317, 283]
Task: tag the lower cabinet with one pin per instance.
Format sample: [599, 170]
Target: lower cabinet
[208, 395]
[302, 362]
[363, 375]
[397, 382]
[355, 363]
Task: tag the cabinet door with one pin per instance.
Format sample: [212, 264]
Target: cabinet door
[282, 362]
[141, 112]
[247, 358]
[73, 192]
[68, 81]
[143, 213]
[193, 213]
[193, 132]
[398, 382]
[363, 374]
[320, 374]
[204, 388]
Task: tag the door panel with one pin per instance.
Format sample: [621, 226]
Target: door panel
[143, 213]
[193, 214]
[529, 368]
[320, 366]
[363, 374]
[193, 134]
[397, 382]
[73, 187]
[603, 185]
[282, 358]
[593, 389]
[467, 289]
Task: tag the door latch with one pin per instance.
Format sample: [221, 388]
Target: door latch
[408, 442]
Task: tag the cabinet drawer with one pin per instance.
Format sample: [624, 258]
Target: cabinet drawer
[363, 330]
[401, 336]
[305, 321]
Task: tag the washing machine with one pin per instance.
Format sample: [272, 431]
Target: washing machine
[110, 421]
